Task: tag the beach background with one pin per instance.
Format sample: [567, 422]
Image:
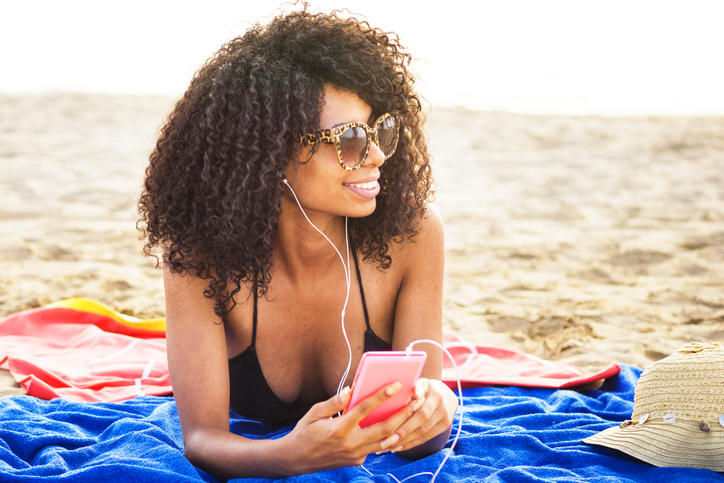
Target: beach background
[578, 153]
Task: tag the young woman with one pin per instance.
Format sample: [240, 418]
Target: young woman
[288, 197]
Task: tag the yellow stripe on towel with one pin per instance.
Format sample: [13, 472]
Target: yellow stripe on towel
[88, 305]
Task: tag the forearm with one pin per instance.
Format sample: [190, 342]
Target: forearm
[225, 455]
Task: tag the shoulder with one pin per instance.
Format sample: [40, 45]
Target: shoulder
[431, 223]
[430, 228]
[428, 243]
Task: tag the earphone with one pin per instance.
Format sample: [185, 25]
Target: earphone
[347, 274]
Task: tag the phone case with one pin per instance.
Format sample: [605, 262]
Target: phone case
[379, 369]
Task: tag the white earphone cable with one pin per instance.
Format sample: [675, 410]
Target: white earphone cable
[347, 270]
[347, 276]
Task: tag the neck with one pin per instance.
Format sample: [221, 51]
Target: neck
[300, 249]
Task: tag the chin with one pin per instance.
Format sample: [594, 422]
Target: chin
[363, 211]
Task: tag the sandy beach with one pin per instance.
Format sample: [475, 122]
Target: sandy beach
[586, 240]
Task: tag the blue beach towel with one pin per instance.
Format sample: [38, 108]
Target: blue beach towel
[510, 434]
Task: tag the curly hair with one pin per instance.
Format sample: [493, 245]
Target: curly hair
[212, 193]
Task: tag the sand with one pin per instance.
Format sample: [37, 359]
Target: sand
[586, 240]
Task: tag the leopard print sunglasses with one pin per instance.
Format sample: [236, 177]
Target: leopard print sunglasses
[353, 139]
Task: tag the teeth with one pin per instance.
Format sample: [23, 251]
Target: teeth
[364, 186]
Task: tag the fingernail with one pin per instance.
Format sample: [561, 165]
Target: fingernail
[418, 404]
[390, 441]
[380, 452]
[399, 448]
[393, 389]
[345, 392]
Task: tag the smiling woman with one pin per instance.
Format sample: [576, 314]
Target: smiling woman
[265, 173]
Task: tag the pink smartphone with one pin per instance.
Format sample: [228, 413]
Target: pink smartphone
[379, 369]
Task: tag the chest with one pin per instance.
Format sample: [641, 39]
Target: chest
[301, 338]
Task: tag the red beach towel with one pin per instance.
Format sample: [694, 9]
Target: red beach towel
[485, 365]
[82, 356]
[83, 351]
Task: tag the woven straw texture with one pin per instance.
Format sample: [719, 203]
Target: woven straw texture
[686, 389]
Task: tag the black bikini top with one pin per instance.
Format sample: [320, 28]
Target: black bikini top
[250, 394]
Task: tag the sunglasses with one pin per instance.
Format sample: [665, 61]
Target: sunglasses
[353, 139]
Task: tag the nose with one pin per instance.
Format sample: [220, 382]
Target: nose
[375, 157]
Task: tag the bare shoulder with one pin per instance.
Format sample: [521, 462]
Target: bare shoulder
[428, 242]
[184, 295]
[431, 224]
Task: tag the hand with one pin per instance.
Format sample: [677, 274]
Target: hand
[434, 405]
[320, 441]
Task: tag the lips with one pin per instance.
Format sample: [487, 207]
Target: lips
[366, 188]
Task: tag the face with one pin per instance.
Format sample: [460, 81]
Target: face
[321, 184]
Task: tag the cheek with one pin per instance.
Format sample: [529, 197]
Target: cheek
[321, 172]
[318, 181]
[290, 173]
[309, 184]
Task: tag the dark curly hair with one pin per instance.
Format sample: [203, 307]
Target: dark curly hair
[212, 193]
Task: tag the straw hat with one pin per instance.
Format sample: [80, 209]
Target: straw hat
[678, 415]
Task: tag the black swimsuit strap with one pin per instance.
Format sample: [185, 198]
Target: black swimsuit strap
[359, 281]
[256, 296]
[361, 292]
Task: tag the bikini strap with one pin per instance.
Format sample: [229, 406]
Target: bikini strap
[359, 281]
[361, 292]
[256, 296]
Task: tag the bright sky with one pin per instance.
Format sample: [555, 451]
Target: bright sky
[613, 57]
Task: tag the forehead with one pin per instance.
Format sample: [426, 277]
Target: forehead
[342, 106]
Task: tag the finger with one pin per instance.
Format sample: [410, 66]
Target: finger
[412, 442]
[415, 427]
[368, 439]
[435, 415]
[368, 404]
[422, 388]
[416, 450]
[389, 429]
[385, 432]
[421, 425]
[330, 407]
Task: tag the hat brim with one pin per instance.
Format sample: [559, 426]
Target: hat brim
[682, 444]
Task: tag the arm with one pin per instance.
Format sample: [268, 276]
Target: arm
[197, 358]
[418, 315]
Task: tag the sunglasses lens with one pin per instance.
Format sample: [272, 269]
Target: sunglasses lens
[353, 144]
[387, 135]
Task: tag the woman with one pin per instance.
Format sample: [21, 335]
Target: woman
[254, 201]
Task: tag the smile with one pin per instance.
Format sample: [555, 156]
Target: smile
[365, 186]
